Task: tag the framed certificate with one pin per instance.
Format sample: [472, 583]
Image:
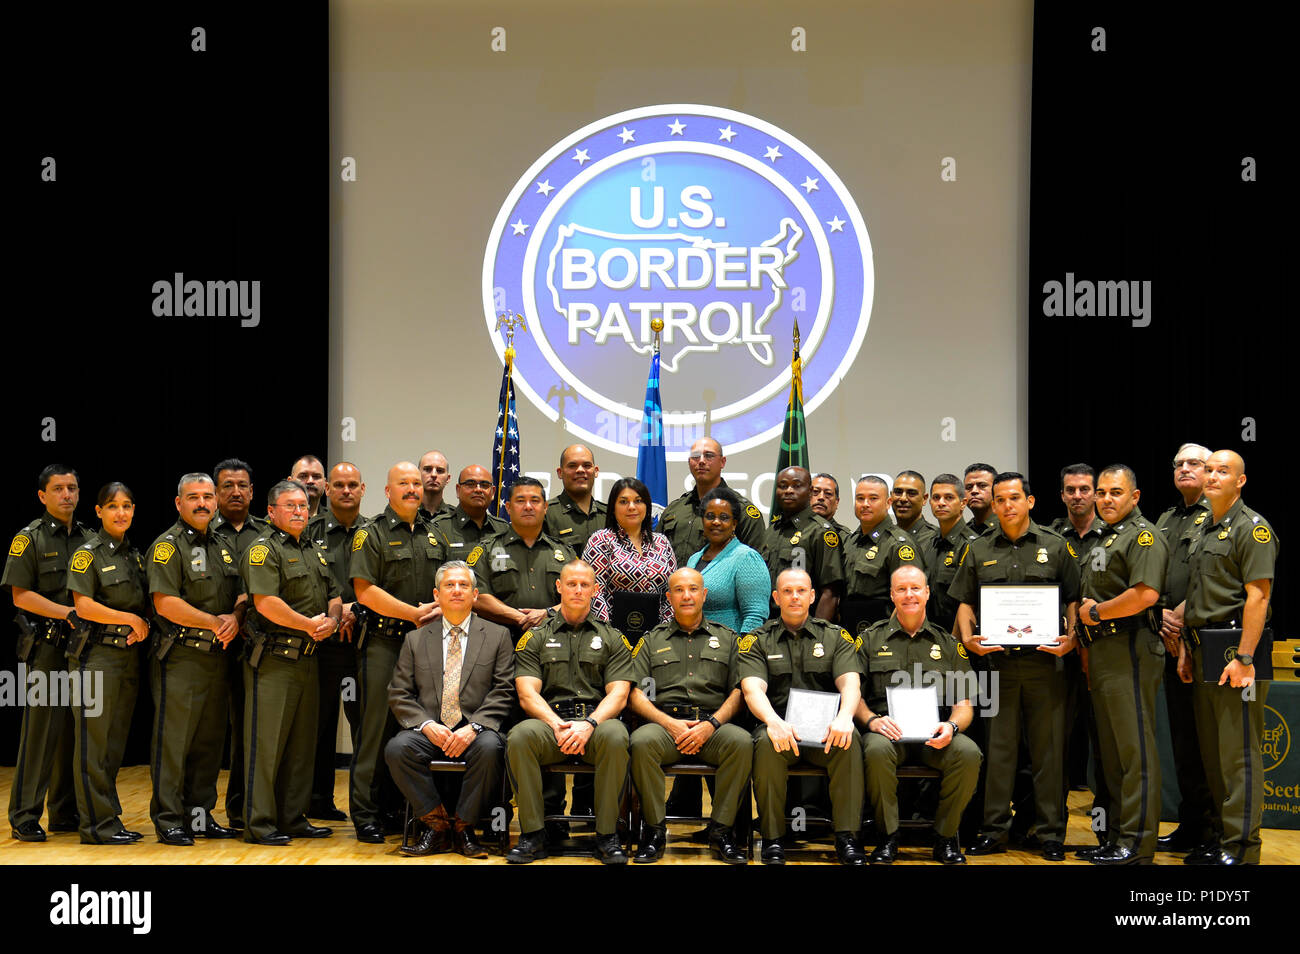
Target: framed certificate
[811, 714]
[915, 710]
[1020, 614]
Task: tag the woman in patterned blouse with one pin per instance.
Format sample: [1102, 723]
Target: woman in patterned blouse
[628, 556]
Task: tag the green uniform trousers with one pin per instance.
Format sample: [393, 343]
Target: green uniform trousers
[1196, 806]
[45, 743]
[771, 772]
[238, 771]
[369, 773]
[729, 748]
[191, 691]
[959, 761]
[1230, 729]
[281, 702]
[532, 744]
[1125, 671]
[1030, 691]
[100, 733]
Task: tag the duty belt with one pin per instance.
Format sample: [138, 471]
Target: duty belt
[1122, 626]
[204, 640]
[573, 710]
[54, 631]
[288, 646]
[695, 713]
[390, 627]
[110, 634]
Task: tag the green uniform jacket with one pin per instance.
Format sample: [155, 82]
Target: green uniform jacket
[1225, 556]
[566, 522]
[871, 558]
[575, 663]
[520, 576]
[1133, 553]
[941, 563]
[240, 539]
[1039, 556]
[1178, 525]
[691, 669]
[295, 570]
[923, 534]
[813, 658]
[1079, 546]
[39, 555]
[398, 557]
[809, 542]
[462, 534]
[888, 650]
[326, 530]
[196, 567]
[682, 522]
[110, 573]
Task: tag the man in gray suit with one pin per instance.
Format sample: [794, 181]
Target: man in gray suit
[452, 688]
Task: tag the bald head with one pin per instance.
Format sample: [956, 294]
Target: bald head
[404, 489]
[474, 490]
[345, 491]
[578, 472]
[686, 595]
[1225, 475]
[706, 462]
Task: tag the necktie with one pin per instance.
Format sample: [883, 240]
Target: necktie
[451, 681]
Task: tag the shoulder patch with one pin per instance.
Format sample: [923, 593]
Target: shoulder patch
[21, 542]
[523, 640]
[81, 560]
[752, 511]
[905, 552]
[1261, 534]
[961, 650]
[634, 649]
[1145, 539]
[744, 642]
[831, 538]
[162, 552]
[474, 556]
[358, 538]
[962, 561]
[844, 635]
[1070, 550]
[257, 555]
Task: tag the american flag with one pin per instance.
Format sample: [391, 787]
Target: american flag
[505, 445]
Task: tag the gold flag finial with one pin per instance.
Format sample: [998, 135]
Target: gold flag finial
[511, 322]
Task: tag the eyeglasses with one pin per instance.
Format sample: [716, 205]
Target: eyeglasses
[704, 455]
[293, 506]
[1188, 462]
[476, 484]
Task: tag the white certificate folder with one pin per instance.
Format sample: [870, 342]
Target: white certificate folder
[915, 710]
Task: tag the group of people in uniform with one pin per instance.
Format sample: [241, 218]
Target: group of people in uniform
[466, 636]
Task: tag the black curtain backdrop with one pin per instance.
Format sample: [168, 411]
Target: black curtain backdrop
[213, 164]
[1136, 174]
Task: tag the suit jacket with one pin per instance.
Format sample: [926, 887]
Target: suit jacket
[487, 676]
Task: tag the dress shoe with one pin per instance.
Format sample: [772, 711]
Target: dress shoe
[29, 831]
[723, 842]
[531, 847]
[1087, 853]
[133, 835]
[64, 827]
[175, 836]
[1053, 851]
[1226, 858]
[948, 852]
[325, 810]
[276, 839]
[609, 851]
[887, 851]
[311, 831]
[1116, 855]
[652, 849]
[465, 844]
[988, 845]
[432, 841]
[773, 853]
[1202, 854]
[371, 834]
[211, 829]
[117, 838]
[848, 851]
[1177, 841]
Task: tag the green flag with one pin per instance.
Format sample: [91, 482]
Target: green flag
[794, 437]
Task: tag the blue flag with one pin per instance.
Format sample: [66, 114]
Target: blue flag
[505, 446]
[651, 461]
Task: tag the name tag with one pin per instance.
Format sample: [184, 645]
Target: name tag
[293, 559]
[554, 645]
[457, 544]
[777, 656]
[666, 649]
[566, 530]
[105, 569]
[988, 562]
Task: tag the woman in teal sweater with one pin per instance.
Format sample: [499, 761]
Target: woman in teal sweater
[735, 575]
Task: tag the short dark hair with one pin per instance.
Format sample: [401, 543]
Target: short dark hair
[231, 463]
[979, 466]
[872, 479]
[1078, 470]
[310, 457]
[1124, 469]
[281, 487]
[731, 499]
[952, 479]
[50, 470]
[525, 482]
[1009, 475]
[910, 473]
[111, 490]
[642, 491]
[824, 477]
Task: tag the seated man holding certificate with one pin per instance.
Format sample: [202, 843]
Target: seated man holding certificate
[910, 716]
[798, 652]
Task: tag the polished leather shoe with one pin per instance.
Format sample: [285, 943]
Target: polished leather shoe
[1087, 853]
[465, 844]
[1116, 855]
[28, 831]
[212, 829]
[1202, 854]
[276, 839]
[326, 811]
[948, 852]
[1177, 841]
[133, 835]
[433, 841]
[117, 838]
[848, 851]
[886, 852]
[175, 836]
[773, 853]
[531, 847]
[371, 834]
[723, 842]
[311, 831]
[609, 851]
[987, 845]
[1226, 858]
[1053, 851]
[652, 849]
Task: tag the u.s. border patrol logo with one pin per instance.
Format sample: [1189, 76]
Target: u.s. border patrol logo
[719, 224]
[81, 560]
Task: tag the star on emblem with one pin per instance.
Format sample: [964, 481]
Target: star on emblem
[773, 154]
[580, 156]
[728, 133]
[545, 188]
[627, 135]
[837, 224]
[519, 226]
[809, 185]
[676, 126]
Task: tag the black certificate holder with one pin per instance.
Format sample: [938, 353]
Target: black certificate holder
[1219, 647]
[633, 614]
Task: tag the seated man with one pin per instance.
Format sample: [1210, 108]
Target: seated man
[797, 651]
[451, 690]
[896, 652]
[693, 697]
[573, 674]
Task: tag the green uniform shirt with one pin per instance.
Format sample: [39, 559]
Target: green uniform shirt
[520, 576]
[1133, 552]
[1178, 525]
[295, 570]
[398, 557]
[566, 522]
[941, 562]
[887, 650]
[806, 541]
[196, 567]
[239, 539]
[1225, 556]
[446, 510]
[682, 522]
[923, 534]
[461, 534]
[575, 663]
[326, 530]
[813, 658]
[111, 573]
[870, 559]
[990, 525]
[1039, 556]
[39, 555]
[691, 669]
[1080, 545]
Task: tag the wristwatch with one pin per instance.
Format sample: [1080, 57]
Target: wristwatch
[1246, 659]
[956, 730]
[1092, 611]
[476, 727]
[593, 722]
[713, 722]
